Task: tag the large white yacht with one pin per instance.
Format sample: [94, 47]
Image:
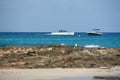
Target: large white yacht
[95, 32]
[62, 32]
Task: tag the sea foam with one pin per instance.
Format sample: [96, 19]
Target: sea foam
[92, 46]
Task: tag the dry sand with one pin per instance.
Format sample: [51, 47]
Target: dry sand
[56, 73]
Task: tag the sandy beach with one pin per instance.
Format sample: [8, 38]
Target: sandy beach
[57, 62]
[55, 74]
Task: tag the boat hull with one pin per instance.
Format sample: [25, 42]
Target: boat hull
[94, 34]
[62, 33]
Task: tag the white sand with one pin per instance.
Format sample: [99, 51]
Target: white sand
[55, 74]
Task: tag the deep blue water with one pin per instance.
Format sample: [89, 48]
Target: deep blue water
[43, 38]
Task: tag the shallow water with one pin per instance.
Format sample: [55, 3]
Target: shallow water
[41, 38]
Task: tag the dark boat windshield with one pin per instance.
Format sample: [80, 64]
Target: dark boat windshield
[62, 31]
[96, 30]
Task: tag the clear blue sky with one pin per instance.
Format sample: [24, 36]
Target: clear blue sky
[51, 15]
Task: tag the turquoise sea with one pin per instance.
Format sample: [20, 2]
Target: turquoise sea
[111, 40]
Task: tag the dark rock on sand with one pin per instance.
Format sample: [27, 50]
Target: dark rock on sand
[106, 78]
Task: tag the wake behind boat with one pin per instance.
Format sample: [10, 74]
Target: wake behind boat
[95, 32]
[62, 32]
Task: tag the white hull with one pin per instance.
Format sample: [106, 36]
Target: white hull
[95, 32]
[62, 33]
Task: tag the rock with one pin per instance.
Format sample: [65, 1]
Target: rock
[42, 50]
[7, 52]
[17, 63]
[55, 56]
[25, 52]
[62, 51]
[15, 52]
[40, 65]
[49, 49]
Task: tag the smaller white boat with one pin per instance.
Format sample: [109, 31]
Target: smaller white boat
[62, 32]
[95, 32]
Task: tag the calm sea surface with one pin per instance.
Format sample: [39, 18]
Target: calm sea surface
[44, 38]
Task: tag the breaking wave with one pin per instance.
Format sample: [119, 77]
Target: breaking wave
[93, 46]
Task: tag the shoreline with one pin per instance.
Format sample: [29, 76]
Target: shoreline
[55, 74]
